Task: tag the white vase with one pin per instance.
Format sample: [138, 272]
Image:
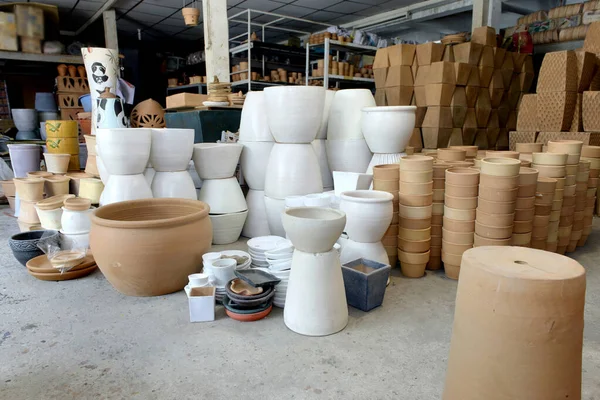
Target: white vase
[293, 169]
[319, 146]
[125, 187]
[256, 223]
[227, 227]
[368, 214]
[171, 149]
[224, 196]
[352, 250]
[313, 229]
[124, 151]
[345, 113]
[173, 184]
[315, 303]
[348, 155]
[253, 123]
[294, 113]
[216, 160]
[254, 160]
[329, 94]
[384, 158]
[274, 209]
[388, 129]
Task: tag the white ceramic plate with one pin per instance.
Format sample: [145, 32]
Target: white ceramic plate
[264, 243]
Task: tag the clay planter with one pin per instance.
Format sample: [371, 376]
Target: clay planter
[413, 265]
[567, 211]
[29, 189]
[417, 200]
[190, 16]
[436, 230]
[313, 229]
[527, 191]
[454, 248]
[525, 202]
[581, 186]
[462, 176]
[390, 241]
[435, 262]
[521, 239]
[414, 223]
[411, 246]
[502, 154]
[528, 148]
[499, 182]
[28, 213]
[459, 215]
[500, 195]
[75, 179]
[569, 191]
[494, 219]
[590, 151]
[414, 212]
[387, 185]
[573, 159]
[457, 237]
[8, 188]
[91, 189]
[386, 172]
[416, 163]
[500, 166]
[493, 232]
[38, 174]
[56, 185]
[462, 191]
[481, 241]
[525, 214]
[451, 154]
[461, 203]
[470, 150]
[545, 210]
[157, 243]
[458, 226]
[439, 169]
[416, 188]
[436, 240]
[438, 195]
[57, 163]
[498, 207]
[565, 146]
[546, 171]
[415, 176]
[527, 176]
[572, 169]
[540, 232]
[414, 234]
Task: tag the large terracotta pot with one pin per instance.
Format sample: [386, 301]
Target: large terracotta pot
[253, 124]
[149, 247]
[345, 114]
[293, 169]
[388, 129]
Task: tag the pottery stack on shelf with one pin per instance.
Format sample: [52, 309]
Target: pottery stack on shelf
[62, 137]
[124, 153]
[347, 150]
[544, 199]
[29, 192]
[437, 214]
[415, 211]
[293, 168]
[258, 142]
[320, 143]
[75, 222]
[387, 131]
[170, 154]
[216, 164]
[581, 200]
[496, 204]
[525, 208]
[386, 178]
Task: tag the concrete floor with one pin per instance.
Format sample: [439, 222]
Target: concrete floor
[81, 339]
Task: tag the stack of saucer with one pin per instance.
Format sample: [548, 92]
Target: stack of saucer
[280, 258]
[281, 287]
[259, 245]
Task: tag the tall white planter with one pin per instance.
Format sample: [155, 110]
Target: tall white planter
[319, 147]
[254, 161]
[253, 124]
[170, 156]
[293, 169]
[348, 155]
[345, 113]
[329, 95]
[257, 223]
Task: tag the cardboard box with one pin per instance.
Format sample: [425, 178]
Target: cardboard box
[485, 35]
[485, 75]
[420, 116]
[401, 54]
[420, 96]
[481, 139]
[30, 45]
[555, 110]
[499, 54]
[592, 39]
[185, 100]
[380, 75]
[8, 32]
[428, 53]
[30, 21]
[590, 111]
[435, 138]
[527, 117]
[448, 53]
[468, 53]
[468, 135]
[399, 75]
[439, 94]
[438, 117]
[558, 72]
[462, 72]
[471, 93]
[577, 122]
[520, 137]
[399, 95]
[201, 301]
[441, 72]
[586, 68]
[380, 97]
[456, 138]
[381, 58]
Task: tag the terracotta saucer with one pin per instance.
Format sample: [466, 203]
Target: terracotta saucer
[42, 265]
[249, 317]
[64, 277]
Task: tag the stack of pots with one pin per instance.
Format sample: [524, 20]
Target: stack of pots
[50, 211]
[293, 167]
[29, 191]
[125, 154]
[525, 208]
[347, 150]
[526, 150]
[91, 189]
[470, 151]
[386, 178]
[591, 154]
[216, 164]
[75, 223]
[170, 155]
[462, 188]
[544, 199]
[56, 185]
[258, 142]
[437, 214]
[581, 189]
[62, 137]
[91, 166]
[320, 143]
[415, 211]
[496, 204]
[76, 178]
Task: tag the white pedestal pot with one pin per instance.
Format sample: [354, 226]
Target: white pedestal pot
[253, 123]
[313, 229]
[124, 151]
[216, 160]
[125, 187]
[293, 169]
[294, 113]
[256, 223]
[254, 160]
[348, 155]
[352, 250]
[388, 129]
[345, 113]
[369, 214]
[173, 184]
[171, 149]
[224, 196]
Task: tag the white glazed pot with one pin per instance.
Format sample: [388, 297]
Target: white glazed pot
[256, 223]
[171, 149]
[57, 163]
[293, 169]
[227, 227]
[74, 241]
[50, 219]
[274, 209]
[26, 119]
[104, 175]
[320, 149]
[216, 160]
[254, 160]
[329, 94]
[173, 184]
[149, 173]
[294, 113]
[352, 250]
[313, 229]
[124, 151]
[345, 113]
[223, 271]
[224, 196]
[388, 129]
[76, 222]
[369, 214]
[125, 187]
[315, 303]
[349, 181]
[348, 155]
[253, 123]
[91, 188]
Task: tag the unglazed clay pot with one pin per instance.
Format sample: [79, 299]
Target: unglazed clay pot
[216, 160]
[125, 187]
[256, 222]
[227, 227]
[124, 151]
[173, 184]
[492, 194]
[345, 114]
[415, 176]
[57, 163]
[287, 108]
[462, 176]
[155, 243]
[348, 155]
[500, 166]
[388, 129]
[502, 154]
[91, 189]
[29, 189]
[451, 154]
[254, 161]
[556, 159]
[499, 182]
[224, 196]
[322, 134]
[293, 169]
[550, 171]
[56, 185]
[171, 149]
[528, 148]
[75, 180]
[148, 114]
[313, 229]
[565, 146]
[253, 123]
[319, 146]
[369, 214]
[413, 264]
[416, 163]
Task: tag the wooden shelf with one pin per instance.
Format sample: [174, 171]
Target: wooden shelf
[49, 58]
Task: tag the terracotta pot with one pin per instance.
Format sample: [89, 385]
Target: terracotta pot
[493, 232]
[481, 241]
[567, 211]
[75, 179]
[436, 240]
[8, 188]
[590, 151]
[525, 202]
[502, 154]
[540, 232]
[414, 223]
[416, 176]
[29, 189]
[437, 209]
[459, 164]
[529, 147]
[53, 203]
[416, 188]
[451, 154]
[583, 177]
[527, 176]
[439, 169]
[553, 171]
[458, 225]
[499, 182]
[552, 247]
[415, 212]
[439, 183]
[390, 241]
[569, 190]
[418, 200]
[387, 185]
[521, 239]
[527, 191]
[572, 169]
[62, 70]
[39, 174]
[438, 195]
[190, 16]
[593, 182]
[392, 230]
[28, 213]
[57, 163]
[411, 246]
[436, 251]
[454, 248]
[498, 207]
[386, 172]
[470, 150]
[436, 230]
[452, 259]
[462, 191]
[416, 163]
[395, 217]
[414, 234]
[368, 213]
[81, 71]
[148, 114]
[525, 214]
[435, 262]
[497, 195]
[72, 71]
[452, 271]
[543, 210]
[500, 167]
[413, 265]
[581, 186]
[494, 219]
[559, 195]
[457, 237]
[459, 215]
[565, 146]
[461, 203]
[56, 185]
[143, 236]
[462, 176]
[526, 163]
[91, 189]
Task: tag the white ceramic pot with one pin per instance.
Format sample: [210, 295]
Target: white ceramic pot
[192, 171]
[149, 173]
[91, 188]
[274, 209]
[253, 123]
[124, 151]
[104, 175]
[254, 160]
[319, 147]
[223, 271]
[294, 113]
[348, 155]
[315, 303]
[329, 94]
[349, 181]
[224, 196]
[216, 160]
[76, 222]
[384, 158]
[388, 129]
[171, 149]
[313, 229]
[369, 214]
[227, 227]
[74, 241]
[173, 184]
[293, 169]
[352, 250]
[345, 113]
[50, 219]
[318, 200]
[256, 223]
[125, 187]
[26, 119]
[57, 163]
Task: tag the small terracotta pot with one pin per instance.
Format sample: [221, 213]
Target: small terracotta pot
[77, 204]
[436, 251]
[438, 195]
[459, 164]
[462, 191]
[56, 185]
[497, 195]
[57, 163]
[462, 176]
[452, 259]
[570, 190]
[500, 166]
[412, 270]
[8, 188]
[388, 241]
[386, 172]
[527, 191]
[39, 174]
[543, 209]
[581, 187]
[29, 189]
[414, 246]
[567, 211]
[566, 220]
[570, 180]
[521, 239]
[452, 271]
[416, 163]
[461, 203]
[528, 176]
[439, 183]
[590, 151]
[549, 159]
[560, 183]
[494, 219]
[525, 202]
[437, 209]
[568, 201]
[28, 213]
[413, 258]
[386, 186]
[414, 234]
[418, 200]
[526, 163]
[526, 214]
[436, 240]
[499, 182]
[493, 232]
[436, 230]
[454, 248]
[392, 230]
[395, 217]
[451, 154]
[459, 215]
[583, 177]
[559, 194]
[414, 223]
[540, 232]
[544, 199]
[590, 202]
[459, 226]
[502, 154]
[416, 176]
[481, 241]
[415, 212]
[496, 207]
[565, 146]
[550, 171]
[435, 262]
[416, 188]
[554, 215]
[72, 71]
[522, 226]
[593, 182]
[595, 173]
[529, 148]
[458, 237]
[552, 247]
[62, 70]
[470, 150]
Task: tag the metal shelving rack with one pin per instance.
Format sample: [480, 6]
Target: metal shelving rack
[200, 88]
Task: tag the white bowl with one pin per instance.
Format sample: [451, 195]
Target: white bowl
[369, 214]
[227, 227]
[197, 280]
[294, 113]
[171, 149]
[124, 151]
[216, 160]
[253, 123]
[173, 184]
[274, 209]
[254, 160]
[293, 169]
[348, 155]
[388, 129]
[278, 257]
[345, 114]
[256, 223]
[314, 229]
[125, 187]
[224, 196]
[317, 200]
[26, 119]
[329, 95]
[348, 181]
[320, 148]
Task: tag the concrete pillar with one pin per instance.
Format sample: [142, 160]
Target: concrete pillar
[216, 39]
[111, 40]
[486, 13]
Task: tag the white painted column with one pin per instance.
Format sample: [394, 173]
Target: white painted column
[111, 40]
[216, 39]
[486, 13]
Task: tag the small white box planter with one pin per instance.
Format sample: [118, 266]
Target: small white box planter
[202, 304]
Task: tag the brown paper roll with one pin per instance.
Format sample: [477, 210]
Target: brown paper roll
[518, 326]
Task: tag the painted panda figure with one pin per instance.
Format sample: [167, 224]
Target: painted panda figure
[110, 114]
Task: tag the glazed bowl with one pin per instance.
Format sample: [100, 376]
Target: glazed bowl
[313, 229]
[368, 214]
[171, 149]
[24, 245]
[254, 161]
[293, 169]
[227, 227]
[216, 160]
[351, 155]
[224, 196]
[388, 129]
[124, 151]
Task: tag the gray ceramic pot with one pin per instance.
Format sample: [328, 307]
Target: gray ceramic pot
[24, 245]
[365, 282]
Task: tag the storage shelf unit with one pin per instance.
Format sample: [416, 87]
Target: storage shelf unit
[50, 58]
[198, 88]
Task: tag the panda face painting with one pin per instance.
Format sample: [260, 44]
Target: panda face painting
[99, 73]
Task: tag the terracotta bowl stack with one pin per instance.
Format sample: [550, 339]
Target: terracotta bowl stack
[525, 208]
[386, 178]
[591, 154]
[581, 188]
[526, 150]
[439, 185]
[471, 151]
[544, 198]
[498, 189]
[415, 211]
[462, 188]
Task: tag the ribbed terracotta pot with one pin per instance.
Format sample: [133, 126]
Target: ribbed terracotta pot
[416, 188]
[56, 185]
[416, 163]
[414, 223]
[413, 265]
[500, 166]
[462, 238]
[481, 241]
[461, 203]
[462, 176]
[496, 207]
[525, 214]
[386, 172]
[461, 191]
[455, 248]
[451, 154]
[525, 202]
[493, 194]
[416, 176]
[494, 219]
[527, 191]
[493, 232]
[499, 182]
[417, 200]
[565, 146]
[459, 215]
[458, 226]
[414, 246]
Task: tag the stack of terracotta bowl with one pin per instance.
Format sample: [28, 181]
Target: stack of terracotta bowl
[592, 154]
[581, 188]
[462, 188]
[30, 191]
[415, 210]
[471, 151]
[544, 199]
[439, 185]
[526, 150]
[525, 208]
[498, 189]
[386, 178]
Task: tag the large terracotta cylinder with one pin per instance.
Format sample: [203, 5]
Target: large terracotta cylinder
[518, 326]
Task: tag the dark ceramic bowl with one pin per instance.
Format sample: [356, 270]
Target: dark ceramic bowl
[251, 303]
[234, 296]
[230, 306]
[24, 245]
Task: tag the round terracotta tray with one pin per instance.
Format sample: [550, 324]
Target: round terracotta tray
[42, 265]
[63, 277]
[249, 317]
